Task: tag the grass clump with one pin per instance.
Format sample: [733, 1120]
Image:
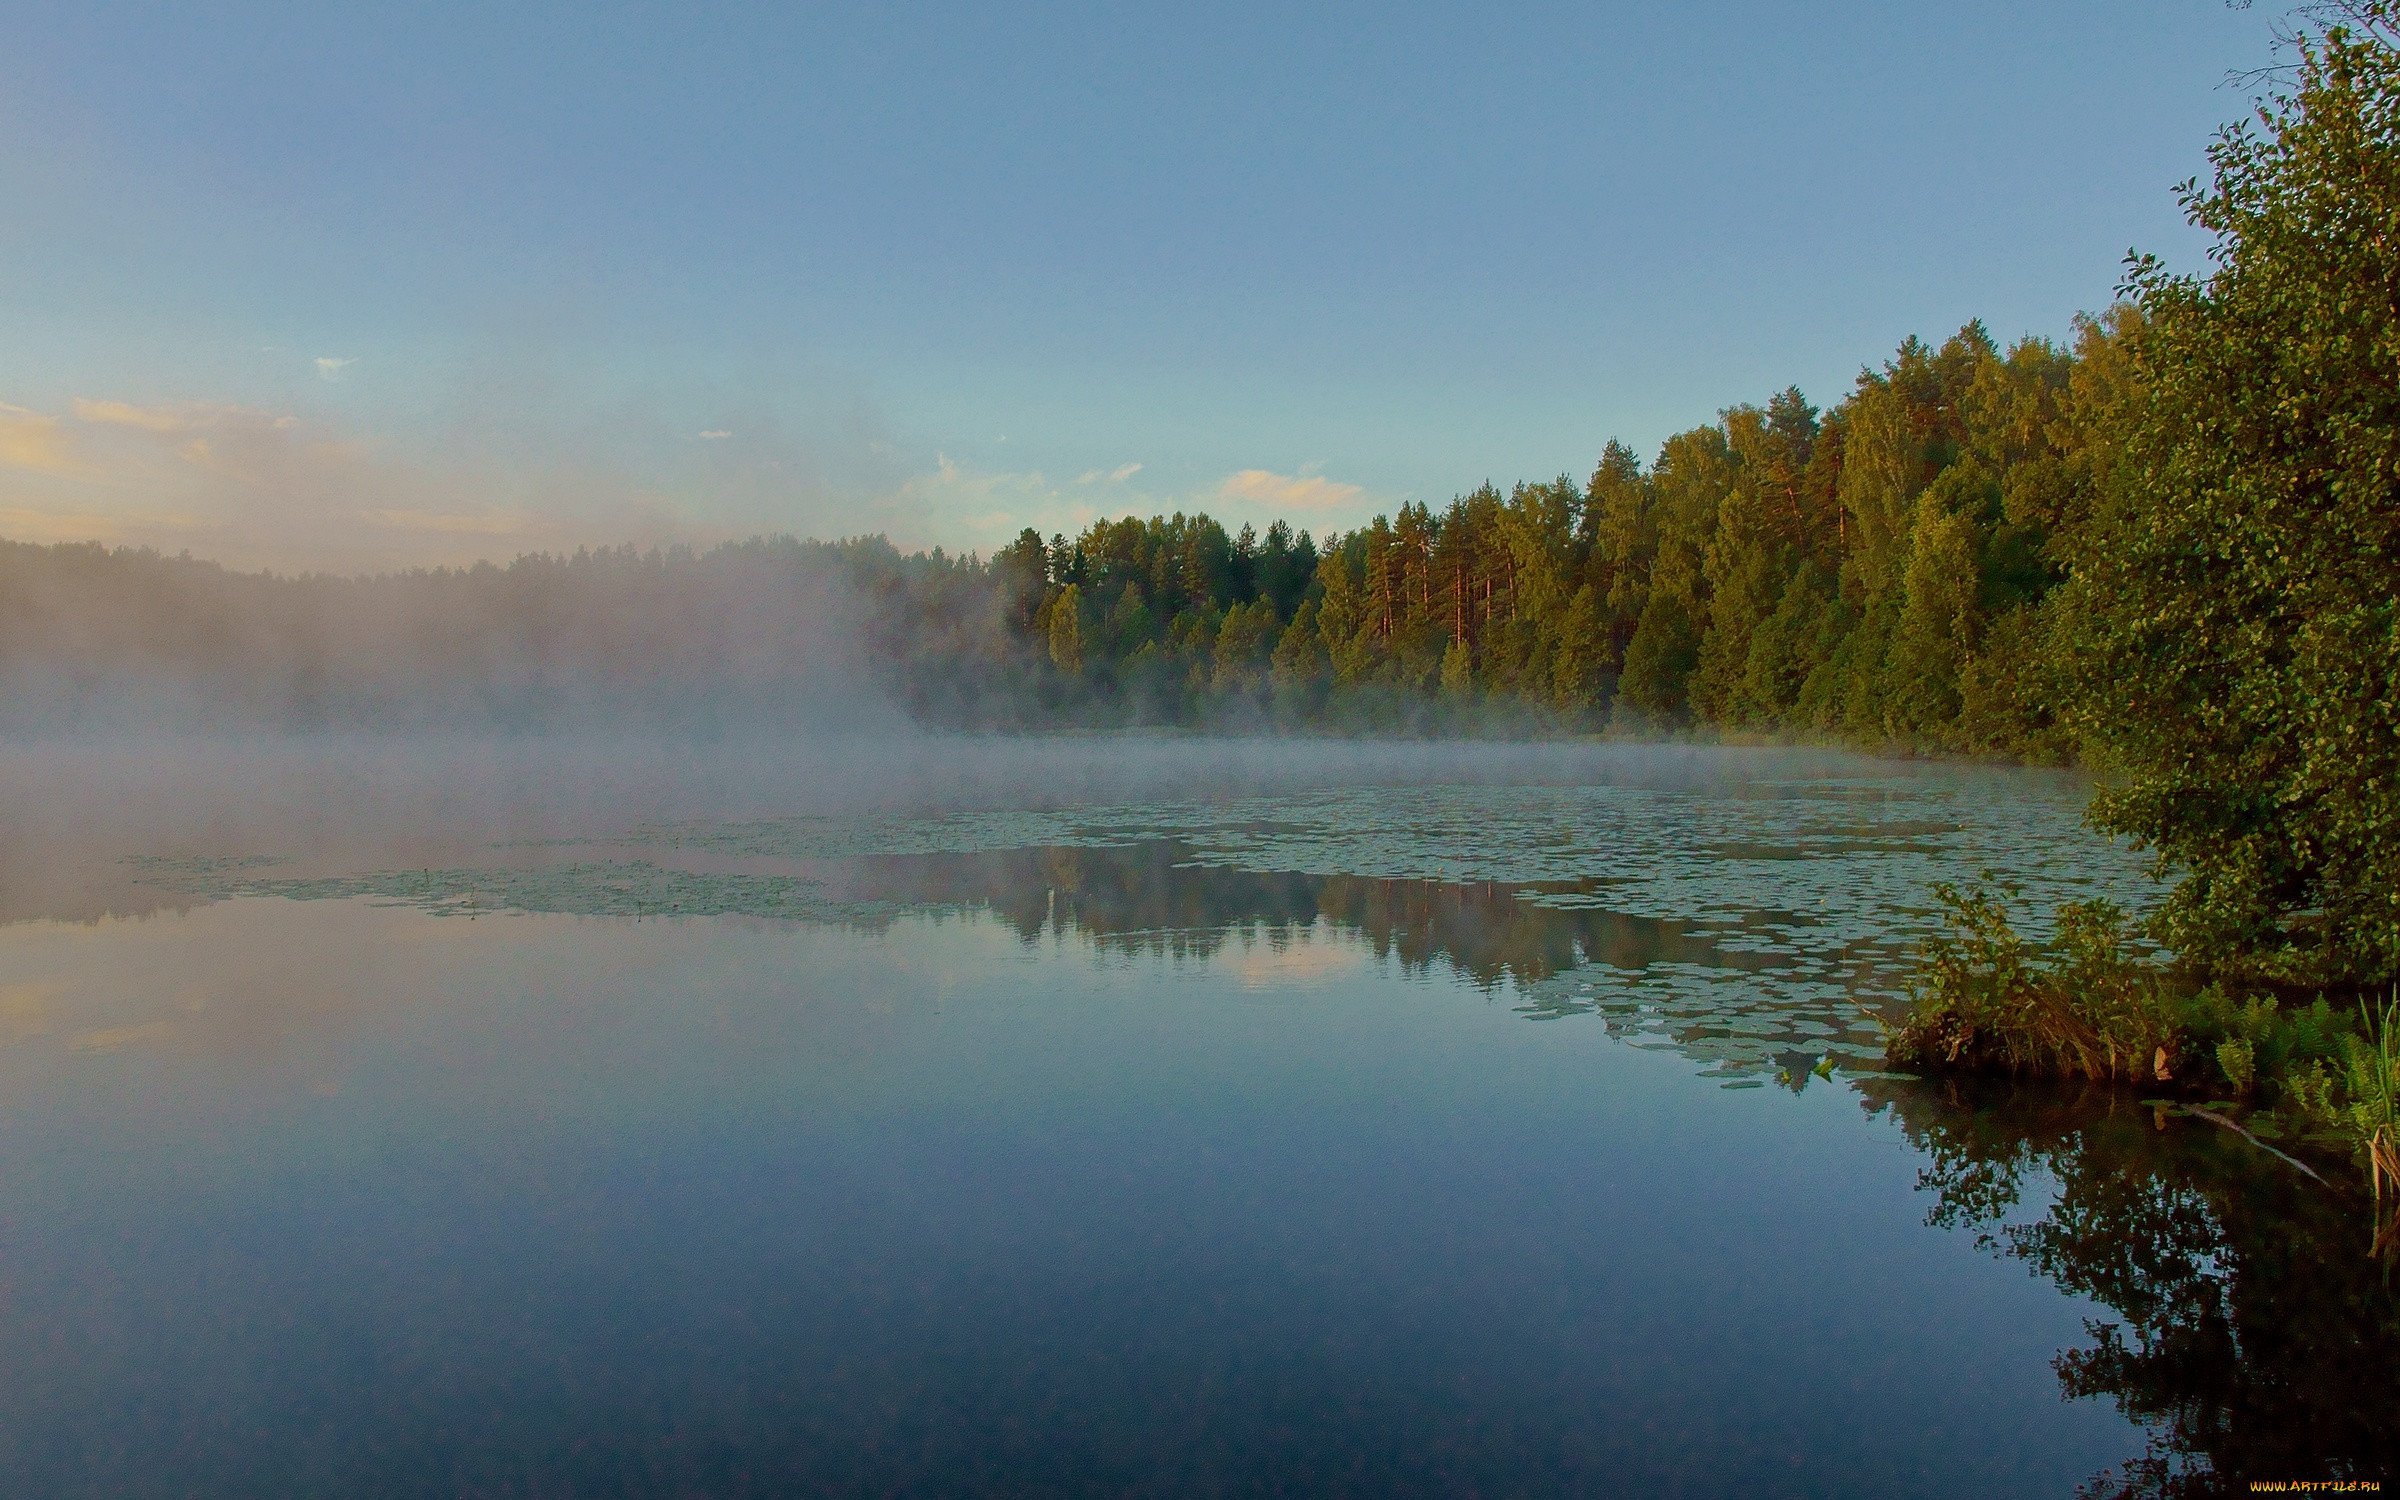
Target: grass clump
[2371, 1075]
[2093, 1005]
[1985, 1000]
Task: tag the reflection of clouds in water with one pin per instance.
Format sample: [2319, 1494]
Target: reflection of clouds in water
[1757, 925]
[1745, 906]
[276, 998]
[243, 986]
[29, 1008]
[110, 1038]
[1287, 958]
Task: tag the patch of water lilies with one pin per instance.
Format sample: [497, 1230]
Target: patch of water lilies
[1756, 929]
[610, 888]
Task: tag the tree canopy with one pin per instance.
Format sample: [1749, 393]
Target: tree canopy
[2235, 591]
[1882, 572]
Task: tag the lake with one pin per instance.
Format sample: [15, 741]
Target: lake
[1093, 1116]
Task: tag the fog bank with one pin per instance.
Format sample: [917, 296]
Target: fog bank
[74, 810]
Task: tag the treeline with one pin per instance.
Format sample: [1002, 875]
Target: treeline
[1156, 897]
[1882, 572]
[765, 631]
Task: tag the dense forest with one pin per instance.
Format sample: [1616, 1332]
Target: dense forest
[1881, 572]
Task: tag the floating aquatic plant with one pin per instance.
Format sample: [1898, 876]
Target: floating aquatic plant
[1741, 925]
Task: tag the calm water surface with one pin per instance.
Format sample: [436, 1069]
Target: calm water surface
[1439, 1125]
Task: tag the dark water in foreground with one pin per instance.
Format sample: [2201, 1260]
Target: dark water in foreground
[1177, 1147]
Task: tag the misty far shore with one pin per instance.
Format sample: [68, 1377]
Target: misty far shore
[1884, 574]
[79, 812]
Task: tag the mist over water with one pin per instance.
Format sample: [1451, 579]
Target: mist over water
[767, 634]
[1259, 979]
[393, 973]
[1761, 903]
[77, 806]
[889, 1108]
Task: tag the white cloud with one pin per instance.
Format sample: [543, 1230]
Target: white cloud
[1117, 475]
[330, 368]
[1304, 491]
[715, 434]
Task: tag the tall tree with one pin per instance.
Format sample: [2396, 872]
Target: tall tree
[2237, 595]
[1066, 631]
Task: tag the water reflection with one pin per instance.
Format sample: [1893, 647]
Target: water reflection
[1154, 897]
[2247, 1328]
[1551, 946]
[554, 1205]
[1719, 990]
[805, 1071]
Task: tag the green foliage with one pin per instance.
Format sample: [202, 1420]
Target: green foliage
[2235, 595]
[1983, 999]
[1458, 671]
[1938, 624]
[1659, 660]
[1300, 664]
[1245, 642]
[2215, 477]
[1066, 631]
[1883, 571]
[2007, 691]
[2238, 1061]
[2371, 1078]
[2092, 1007]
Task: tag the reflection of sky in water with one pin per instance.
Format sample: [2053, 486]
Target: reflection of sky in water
[1755, 925]
[1159, 1141]
[322, 1196]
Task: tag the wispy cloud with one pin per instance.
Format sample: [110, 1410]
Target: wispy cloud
[486, 523]
[126, 414]
[1304, 491]
[175, 418]
[247, 486]
[27, 523]
[33, 440]
[526, 465]
[304, 489]
[331, 368]
[988, 506]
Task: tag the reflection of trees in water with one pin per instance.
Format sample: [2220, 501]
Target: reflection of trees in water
[2249, 1329]
[1150, 898]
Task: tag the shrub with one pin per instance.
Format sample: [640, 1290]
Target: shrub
[1982, 1003]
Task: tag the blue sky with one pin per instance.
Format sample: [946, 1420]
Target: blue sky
[344, 286]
